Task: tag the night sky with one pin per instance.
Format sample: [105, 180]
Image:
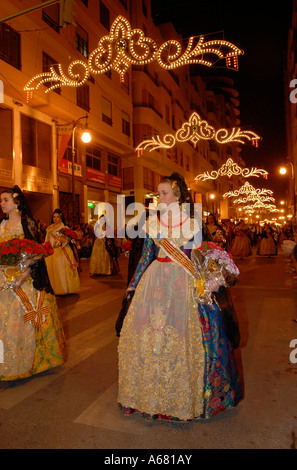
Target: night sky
[260, 28]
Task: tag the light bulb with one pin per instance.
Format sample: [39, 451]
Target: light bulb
[86, 137]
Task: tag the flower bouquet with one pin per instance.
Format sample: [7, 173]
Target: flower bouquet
[215, 267]
[67, 234]
[17, 255]
[126, 248]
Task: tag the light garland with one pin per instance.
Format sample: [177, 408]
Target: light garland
[196, 129]
[124, 47]
[231, 168]
[247, 188]
[261, 207]
[253, 197]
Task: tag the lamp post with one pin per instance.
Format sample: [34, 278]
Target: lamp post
[283, 171]
[86, 137]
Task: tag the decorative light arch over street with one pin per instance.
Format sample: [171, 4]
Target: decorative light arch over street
[231, 168]
[124, 47]
[196, 129]
[248, 189]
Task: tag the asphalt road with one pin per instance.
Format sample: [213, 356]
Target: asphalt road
[75, 405]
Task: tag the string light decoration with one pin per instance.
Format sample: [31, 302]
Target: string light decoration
[196, 129]
[261, 207]
[247, 188]
[231, 168]
[124, 47]
[254, 198]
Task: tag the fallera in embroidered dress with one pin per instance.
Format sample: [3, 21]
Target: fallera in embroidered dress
[175, 361]
[27, 350]
[61, 266]
[100, 262]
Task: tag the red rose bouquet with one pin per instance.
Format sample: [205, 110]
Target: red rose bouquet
[17, 255]
[67, 233]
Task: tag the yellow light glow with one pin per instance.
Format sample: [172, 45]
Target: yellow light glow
[196, 129]
[283, 171]
[86, 137]
[248, 189]
[124, 47]
[231, 168]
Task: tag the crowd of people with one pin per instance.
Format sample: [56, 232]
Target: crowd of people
[170, 367]
[239, 238]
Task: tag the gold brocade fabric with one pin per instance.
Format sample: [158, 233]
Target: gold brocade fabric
[61, 266]
[27, 350]
[161, 354]
[100, 262]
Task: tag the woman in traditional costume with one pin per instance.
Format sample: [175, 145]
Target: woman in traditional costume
[31, 333]
[104, 257]
[62, 265]
[175, 359]
[267, 245]
[241, 246]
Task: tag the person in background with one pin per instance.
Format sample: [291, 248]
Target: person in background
[62, 265]
[28, 347]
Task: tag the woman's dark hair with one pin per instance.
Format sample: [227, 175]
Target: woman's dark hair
[38, 270]
[214, 218]
[180, 189]
[58, 211]
[20, 200]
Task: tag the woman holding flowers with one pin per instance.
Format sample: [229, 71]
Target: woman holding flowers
[175, 359]
[31, 333]
[62, 265]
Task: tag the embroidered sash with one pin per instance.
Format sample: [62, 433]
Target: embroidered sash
[179, 256]
[73, 266]
[36, 317]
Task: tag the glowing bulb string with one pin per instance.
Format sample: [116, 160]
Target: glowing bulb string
[124, 47]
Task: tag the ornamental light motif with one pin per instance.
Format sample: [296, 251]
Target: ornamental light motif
[261, 207]
[231, 168]
[196, 129]
[124, 47]
[248, 189]
[254, 198]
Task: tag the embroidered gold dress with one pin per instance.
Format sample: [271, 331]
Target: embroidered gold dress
[61, 266]
[100, 262]
[27, 350]
[175, 361]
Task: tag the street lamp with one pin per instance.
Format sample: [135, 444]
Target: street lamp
[283, 171]
[86, 138]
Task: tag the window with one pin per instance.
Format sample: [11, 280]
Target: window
[106, 111]
[82, 97]
[93, 157]
[51, 15]
[47, 62]
[148, 179]
[36, 143]
[113, 165]
[85, 2]
[6, 130]
[10, 45]
[82, 41]
[125, 123]
[104, 16]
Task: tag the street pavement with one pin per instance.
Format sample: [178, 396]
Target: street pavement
[75, 406]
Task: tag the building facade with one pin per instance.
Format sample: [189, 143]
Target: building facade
[40, 132]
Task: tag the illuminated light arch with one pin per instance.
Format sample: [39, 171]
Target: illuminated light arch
[261, 207]
[247, 188]
[196, 129]
[124, 47]
[231, 168]
[253, 197]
